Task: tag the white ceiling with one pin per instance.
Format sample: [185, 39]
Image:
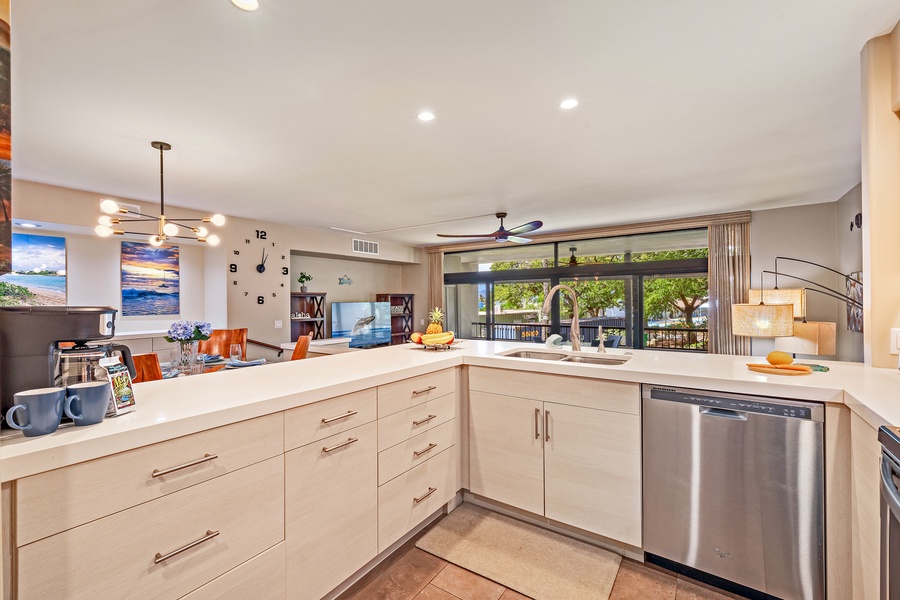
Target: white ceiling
[303, 112]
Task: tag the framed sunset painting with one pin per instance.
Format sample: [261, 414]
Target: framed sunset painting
[150, 280]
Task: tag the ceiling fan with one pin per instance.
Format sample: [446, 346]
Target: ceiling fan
[502, 235]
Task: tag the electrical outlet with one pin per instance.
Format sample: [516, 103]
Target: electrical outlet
[895, 341]
[278, 324]
[421, 321]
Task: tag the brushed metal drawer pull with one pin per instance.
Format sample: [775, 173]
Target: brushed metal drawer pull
[547, 425]
[425, 420]
[210, 534]
[349, 413]
[206, 458]
[537, 423]
[425, 391]
[428, 449]
[430, 491]
[341, 445]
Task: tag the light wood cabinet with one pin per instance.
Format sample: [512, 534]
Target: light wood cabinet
[401, 426]
[331, 505]
[323, 419]
[403, 456]
[865, 499]
[260, 578]
[237, 516]
[57, 500]
[407, 393]
[553, 456]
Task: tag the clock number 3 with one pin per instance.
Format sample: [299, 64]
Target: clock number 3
[284, 270]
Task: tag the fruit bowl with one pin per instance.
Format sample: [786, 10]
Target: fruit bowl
[437, 347]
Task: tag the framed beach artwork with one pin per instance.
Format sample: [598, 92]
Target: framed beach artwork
[38, 273]
[150, 280]
[854, 313]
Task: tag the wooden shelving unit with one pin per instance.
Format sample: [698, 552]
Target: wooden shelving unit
[401, 317]
[313, 304]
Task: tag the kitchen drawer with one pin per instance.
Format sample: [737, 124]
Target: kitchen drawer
[407, 393]
[401, 426]
[398, 509]
[115, 557]
[261, 578]
[574, 391]
[416, 450]
[54, 501]
[331, 511]
[319, 420]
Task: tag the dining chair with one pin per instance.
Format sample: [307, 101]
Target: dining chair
[611, 341]
[146, 367]
[220, 341]
[301, 349]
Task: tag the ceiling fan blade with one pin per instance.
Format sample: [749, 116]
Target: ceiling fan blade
[470, 235]
[518, 240]
[526, 227]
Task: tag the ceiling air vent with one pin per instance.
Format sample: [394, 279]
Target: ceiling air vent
[364, 247]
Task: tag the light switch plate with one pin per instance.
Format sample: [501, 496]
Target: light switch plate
[895, 340]
[278, 325]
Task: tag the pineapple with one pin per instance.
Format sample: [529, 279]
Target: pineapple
[436, 315]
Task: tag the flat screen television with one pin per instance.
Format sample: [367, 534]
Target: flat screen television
[365, 323]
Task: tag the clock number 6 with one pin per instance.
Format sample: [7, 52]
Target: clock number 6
[260, 300]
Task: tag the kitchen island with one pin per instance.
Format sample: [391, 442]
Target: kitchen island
[265, 413]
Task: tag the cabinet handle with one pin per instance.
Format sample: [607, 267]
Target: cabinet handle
[425, 420]
[341, 445]
[546, 425]
[430, 491]
[421, 452]
[210, 534]
[349, 413]
[425, 391]
[206, 458]
[537, 423]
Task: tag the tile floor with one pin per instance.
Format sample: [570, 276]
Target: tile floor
[412, 574]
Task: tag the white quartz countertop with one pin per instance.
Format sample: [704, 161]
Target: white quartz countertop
[176, 407]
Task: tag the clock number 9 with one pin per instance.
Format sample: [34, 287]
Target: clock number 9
[260, 300]
[284, 270]
[260, 234]
[232, 267]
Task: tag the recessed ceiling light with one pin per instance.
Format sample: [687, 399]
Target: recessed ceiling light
[425, 116]
[246, 4]
[568, 103]
[28, 225]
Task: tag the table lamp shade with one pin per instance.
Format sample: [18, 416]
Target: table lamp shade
[797, 297]
[815, 338]
[762, 320]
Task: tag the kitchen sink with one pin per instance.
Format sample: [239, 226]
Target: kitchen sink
[570, 357]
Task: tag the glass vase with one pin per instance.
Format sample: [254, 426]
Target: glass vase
[185, 353]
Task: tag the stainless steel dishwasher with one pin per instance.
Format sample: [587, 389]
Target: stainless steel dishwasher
[734, 487]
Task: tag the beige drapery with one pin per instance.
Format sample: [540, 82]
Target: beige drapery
[435, 279]
[729, 283]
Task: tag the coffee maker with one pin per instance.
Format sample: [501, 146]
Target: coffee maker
[33, 352]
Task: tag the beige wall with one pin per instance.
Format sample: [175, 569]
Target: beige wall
[880, 197]
[848, 259]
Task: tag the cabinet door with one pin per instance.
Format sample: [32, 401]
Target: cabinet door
[592, 469]
[506, 455]
[331, 511]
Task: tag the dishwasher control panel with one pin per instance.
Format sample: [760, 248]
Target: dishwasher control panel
[775, 407]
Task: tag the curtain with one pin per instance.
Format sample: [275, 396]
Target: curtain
[435, 280]
[729, 283]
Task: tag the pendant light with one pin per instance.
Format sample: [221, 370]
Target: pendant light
[165, 227]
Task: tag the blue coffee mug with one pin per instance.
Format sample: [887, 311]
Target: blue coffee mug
[42, 408]
[87, 402]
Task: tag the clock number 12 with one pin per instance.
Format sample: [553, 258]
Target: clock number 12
[260, 234]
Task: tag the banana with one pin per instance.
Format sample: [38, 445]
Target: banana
[435, 339]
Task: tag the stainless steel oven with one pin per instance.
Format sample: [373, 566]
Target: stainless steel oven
[890, 512]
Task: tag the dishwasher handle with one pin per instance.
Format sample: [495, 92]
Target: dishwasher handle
[888, 487]
[723, 413]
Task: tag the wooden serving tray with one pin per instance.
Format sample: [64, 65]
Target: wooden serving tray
[769, 370]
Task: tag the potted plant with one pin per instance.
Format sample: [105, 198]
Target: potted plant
[302, 279]
[186, 334]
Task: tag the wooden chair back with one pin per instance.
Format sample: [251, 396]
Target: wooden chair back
[146, 367]
[301, 349]
[220, 341]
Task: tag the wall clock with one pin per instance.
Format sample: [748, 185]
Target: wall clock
[258, 269]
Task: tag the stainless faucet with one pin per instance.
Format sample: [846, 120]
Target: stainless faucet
[574, 333]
